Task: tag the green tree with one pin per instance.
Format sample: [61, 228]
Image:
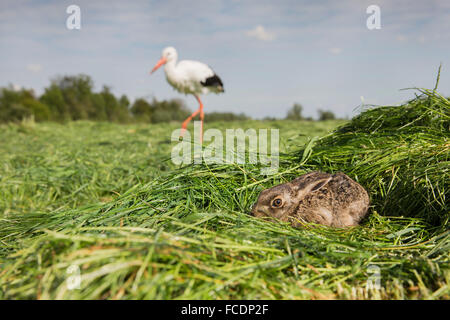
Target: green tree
[295, 113]
[16, 105]
[71, 97]
[326, 115]
[124, 102]
[77, 94]
[169, 110]
[39, 110]
[225, 116]
[115, 111]
[141, 110]
[99, 106]
[54, 99]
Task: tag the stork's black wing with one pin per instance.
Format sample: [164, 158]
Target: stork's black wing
[213, 81]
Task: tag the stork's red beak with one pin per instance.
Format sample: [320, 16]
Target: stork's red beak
[159, 64]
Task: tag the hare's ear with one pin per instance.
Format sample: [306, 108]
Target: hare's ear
[317, 185]
[314, 185]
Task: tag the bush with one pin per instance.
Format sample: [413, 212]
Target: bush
[225, 116]
[39, 110]
[141, 110]
[115, 112]
[15, 105]
[326, 115]
[295, 113]
[54, 99]
[169, 110]
[159, 111]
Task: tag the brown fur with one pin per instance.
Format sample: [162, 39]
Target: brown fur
[330, 199]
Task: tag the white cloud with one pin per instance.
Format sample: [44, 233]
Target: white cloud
[261, 34]
[335, 50]
[34, 67]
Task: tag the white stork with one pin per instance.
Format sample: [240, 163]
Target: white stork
[189, 77]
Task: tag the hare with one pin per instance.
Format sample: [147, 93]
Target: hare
[333, 200]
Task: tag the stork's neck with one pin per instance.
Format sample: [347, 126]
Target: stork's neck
[170, 67]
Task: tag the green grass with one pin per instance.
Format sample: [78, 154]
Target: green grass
[44, 167]
[106, 198]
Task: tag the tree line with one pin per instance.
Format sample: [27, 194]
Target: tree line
[295, 113]
[73, 98]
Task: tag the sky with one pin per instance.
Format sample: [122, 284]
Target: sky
[269, 54]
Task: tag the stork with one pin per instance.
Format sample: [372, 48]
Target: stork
[189, 77]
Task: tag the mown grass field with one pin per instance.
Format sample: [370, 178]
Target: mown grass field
[49, 166]
[106, 199]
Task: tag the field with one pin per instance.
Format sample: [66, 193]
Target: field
[104, 202]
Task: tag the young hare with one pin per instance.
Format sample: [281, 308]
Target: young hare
[330, 199]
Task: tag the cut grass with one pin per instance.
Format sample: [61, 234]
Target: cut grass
[401, 154]
[47, 167]
[186, 234]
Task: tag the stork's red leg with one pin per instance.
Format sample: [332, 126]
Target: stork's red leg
[186, 122]
[202, 116]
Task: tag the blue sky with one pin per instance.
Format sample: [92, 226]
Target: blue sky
[269, 54]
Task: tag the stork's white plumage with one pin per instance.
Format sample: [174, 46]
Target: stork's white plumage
[189, 77]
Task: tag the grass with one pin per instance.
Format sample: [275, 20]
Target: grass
[104, 198]
[45, 167]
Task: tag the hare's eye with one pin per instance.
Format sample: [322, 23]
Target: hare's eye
[277, 202]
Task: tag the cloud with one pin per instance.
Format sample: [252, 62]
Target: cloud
[335, 50]
[261, 34]
[34, 67]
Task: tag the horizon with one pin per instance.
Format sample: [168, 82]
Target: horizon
[268, 55]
